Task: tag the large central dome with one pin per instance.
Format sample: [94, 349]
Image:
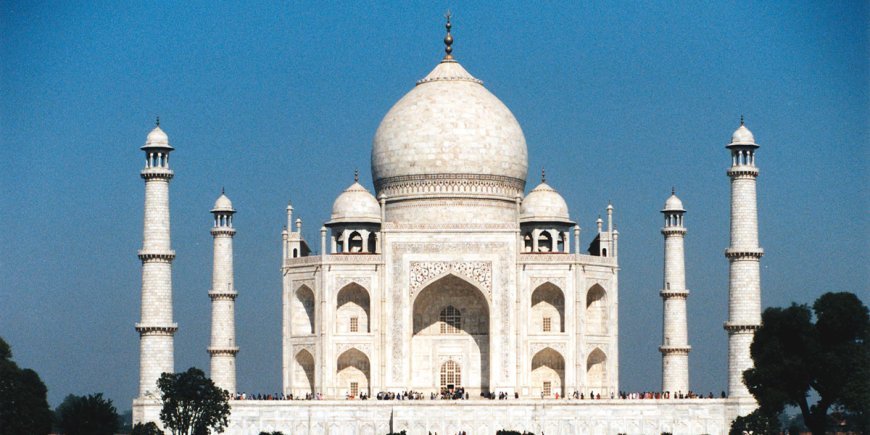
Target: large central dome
[449, 136]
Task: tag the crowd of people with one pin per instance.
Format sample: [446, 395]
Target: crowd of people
[460, 394]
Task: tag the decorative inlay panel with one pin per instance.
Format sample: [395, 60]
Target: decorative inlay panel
[537, 281]
[364, 281]
[423, 272]
[362, 347]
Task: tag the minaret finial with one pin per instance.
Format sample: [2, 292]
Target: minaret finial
[448, 40]
[741, 120]
[356, 175]
[543, 175]
[158, 121]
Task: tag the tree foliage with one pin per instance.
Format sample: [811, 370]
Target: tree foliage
[796, 359]
[192, 403]
[149, 428]
[757, 422]
[87, 415]
[23, 405]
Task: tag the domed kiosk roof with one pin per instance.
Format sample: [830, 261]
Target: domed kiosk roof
[544, 204]
[673, 203]
[355, 204]
[157, 138]
[742, 136]
[449, 128]
[223, 203]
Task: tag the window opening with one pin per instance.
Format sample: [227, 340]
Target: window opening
[451, 320]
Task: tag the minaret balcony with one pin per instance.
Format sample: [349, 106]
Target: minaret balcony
[740, 327]
[741, 253]
[223, 231]
[675, 350]
[157, 256]
[743, 171]
[157, 173]
[674, 293]
[229, 351]
[669, 231]
[146, 329]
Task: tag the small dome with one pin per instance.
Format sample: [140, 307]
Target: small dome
[742, 136]
[355, 204]
[673, 204]
[544, 204]
[223, 203]
[157, 139]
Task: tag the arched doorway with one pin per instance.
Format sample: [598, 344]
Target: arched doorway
[353, 372]
[548, 373]
[451, 323]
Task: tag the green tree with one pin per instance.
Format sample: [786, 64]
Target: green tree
[757, 422]
[149, 428]
[192, 403]
[23, 405]
[87, 415]
[796, 359]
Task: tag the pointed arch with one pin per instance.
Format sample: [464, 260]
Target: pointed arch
[354, 242]
[548, 302]
[527, 242]
[303, 373]
[461, 308]
[545, 242]
[548, 372]
[353, 372]
[303, 311]
[596, 371]
[450, 375]
[353, 302]
[596, 310]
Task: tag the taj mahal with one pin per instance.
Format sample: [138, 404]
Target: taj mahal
[446, 277]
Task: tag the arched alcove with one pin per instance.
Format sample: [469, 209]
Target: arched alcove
[303, 311]
[303, 374]
[352, 302]
[596, 371]
[596, 310]
[548, 302]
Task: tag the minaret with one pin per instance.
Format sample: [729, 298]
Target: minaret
[675, 338]
[156, 329]
[744, 284]
[223, 294]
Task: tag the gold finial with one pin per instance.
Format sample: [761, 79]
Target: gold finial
[356, 175]
[448, 40]
[543, 175]
[158, 121]
[741, 120]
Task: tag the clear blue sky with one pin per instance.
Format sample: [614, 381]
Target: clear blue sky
[277, 101]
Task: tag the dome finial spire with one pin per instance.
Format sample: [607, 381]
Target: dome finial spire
[543, 175]
[448, 40]
[356, 175]
[741, 119]
[158, 121]
[673, 190]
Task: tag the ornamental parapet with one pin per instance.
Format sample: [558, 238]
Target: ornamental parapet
[230, 351]
[665, 293]
[740, 327]
[156, 256]
[675, 350]
[145, 329]
[449, 226]
[453, 185]
[361, 258]
[739, 253]
[562, 258]
[223, 231]
[668, 231]
[157, 173]
[223, 295]
[742, 172]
